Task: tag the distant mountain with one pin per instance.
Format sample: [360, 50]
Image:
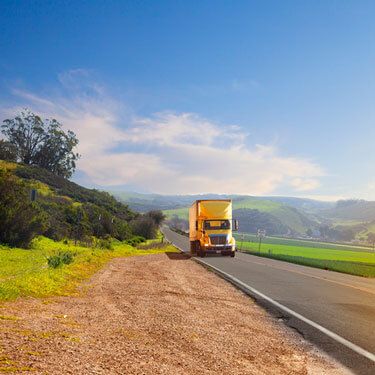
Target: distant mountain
[304, 204]
[278, 215]
[355, 210]
[270, 213]
[147, 202]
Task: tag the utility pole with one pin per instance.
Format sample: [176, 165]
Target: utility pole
[79, 218]
[242, 238]
[261, 234]
[33, 195]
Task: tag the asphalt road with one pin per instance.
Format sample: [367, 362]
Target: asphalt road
[344, 304]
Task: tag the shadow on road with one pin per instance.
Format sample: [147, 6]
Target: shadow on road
[178, 256]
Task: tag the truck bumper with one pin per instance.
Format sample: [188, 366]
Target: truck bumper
[224, 250]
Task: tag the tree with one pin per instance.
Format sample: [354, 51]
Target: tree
[157, 216]
[20, 219]
[7, 151]
[309, 232]
[42, 143]
[144, 226]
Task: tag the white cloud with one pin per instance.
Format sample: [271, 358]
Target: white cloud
[168, 152]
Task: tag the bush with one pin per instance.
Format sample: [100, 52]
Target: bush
[136, 240]
[20, 219]
[105, 243]
[62, 257]
[7, 151]
[157, 216]
[144, 226]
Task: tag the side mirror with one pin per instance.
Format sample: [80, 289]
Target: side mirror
[235, 225]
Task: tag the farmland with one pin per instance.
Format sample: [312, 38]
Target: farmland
[302, 243]
[352, 260]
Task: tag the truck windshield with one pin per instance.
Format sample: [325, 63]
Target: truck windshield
[216, 224]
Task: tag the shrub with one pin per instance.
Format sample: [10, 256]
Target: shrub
[62, 257]
[136, 240]
[20, 219]
[105, 243]
[144, 226]
[157, 216]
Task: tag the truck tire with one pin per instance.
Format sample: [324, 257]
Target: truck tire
[197, 247]
[200, 251]
[193, 249]
[232, 254]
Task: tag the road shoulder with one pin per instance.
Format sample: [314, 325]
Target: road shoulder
[156, 314]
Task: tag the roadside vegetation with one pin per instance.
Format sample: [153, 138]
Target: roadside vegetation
[55, 233]
[51, 268]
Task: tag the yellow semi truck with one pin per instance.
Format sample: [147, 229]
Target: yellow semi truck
[211, 226]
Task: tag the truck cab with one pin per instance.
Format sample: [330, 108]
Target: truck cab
[211, 226]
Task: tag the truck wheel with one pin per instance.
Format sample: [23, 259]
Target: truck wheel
[192, 247]
[232, 254]
[200, 251]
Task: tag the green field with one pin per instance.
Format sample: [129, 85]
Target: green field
[26, 272]
[182, 213]
[361, 263]
[303, 243]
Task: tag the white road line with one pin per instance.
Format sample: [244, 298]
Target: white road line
[289, 269]
[252, 291]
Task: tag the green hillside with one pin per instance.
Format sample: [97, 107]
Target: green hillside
[182, 213]
[254, 203]
[62, 209]
[255, 213]
[49, 244]
[343, 221]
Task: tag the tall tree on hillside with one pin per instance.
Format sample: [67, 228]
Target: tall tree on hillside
[42, 142]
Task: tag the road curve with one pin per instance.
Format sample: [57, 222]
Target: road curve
[343, 304]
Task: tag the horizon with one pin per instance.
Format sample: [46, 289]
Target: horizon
[173, 98]
[235, 195]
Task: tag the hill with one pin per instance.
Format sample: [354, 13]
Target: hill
[304, 204]
[270, 213]
[255, 213]
[354, 210]
[147, 202]
[336, 221]
[62, 209]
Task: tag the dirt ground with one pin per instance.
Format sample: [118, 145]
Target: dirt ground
[155, 314]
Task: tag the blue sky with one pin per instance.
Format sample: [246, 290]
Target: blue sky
[250, 97]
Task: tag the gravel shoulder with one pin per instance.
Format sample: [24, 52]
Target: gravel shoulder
[155, 314]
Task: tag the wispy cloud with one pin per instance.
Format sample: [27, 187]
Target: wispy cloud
[166, 152]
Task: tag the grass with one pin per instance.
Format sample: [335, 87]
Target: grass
[26, 273]
[303, 243]
[360, 263]
[7, 165]
[263, 205]
[182, 213]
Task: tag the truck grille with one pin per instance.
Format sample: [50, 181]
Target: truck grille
[218, 240]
